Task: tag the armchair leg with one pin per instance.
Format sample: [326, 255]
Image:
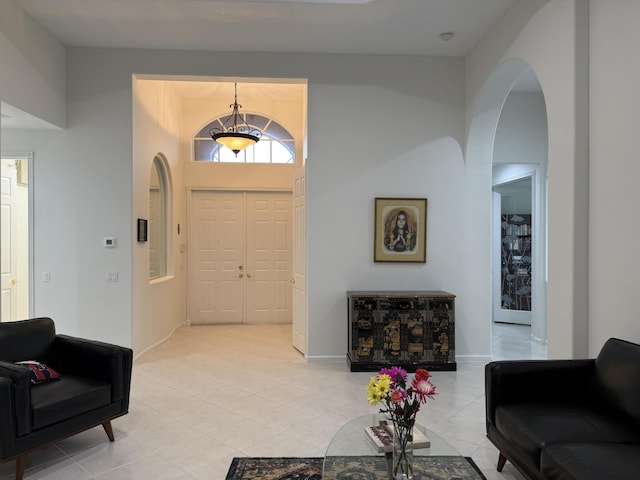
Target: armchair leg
[107, 428]
[501, 461]
[21, 464]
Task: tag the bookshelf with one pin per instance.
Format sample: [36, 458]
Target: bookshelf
[516, 262]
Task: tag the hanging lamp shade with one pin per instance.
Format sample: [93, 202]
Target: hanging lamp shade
[235, 133]
[235, 141]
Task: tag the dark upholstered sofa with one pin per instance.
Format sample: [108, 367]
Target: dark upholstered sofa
[92, 387]
[568, 419]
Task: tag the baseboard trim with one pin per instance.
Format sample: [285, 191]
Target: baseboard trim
[473, 358]
[160, 342]
[326, 359]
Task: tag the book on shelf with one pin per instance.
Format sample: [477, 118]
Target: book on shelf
[381, 438]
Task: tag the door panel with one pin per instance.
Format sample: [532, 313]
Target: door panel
[269, 245]
[217, 293]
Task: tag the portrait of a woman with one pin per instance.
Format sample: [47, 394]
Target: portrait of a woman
[400, 232]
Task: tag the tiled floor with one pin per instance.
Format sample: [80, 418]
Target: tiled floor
[211, 393]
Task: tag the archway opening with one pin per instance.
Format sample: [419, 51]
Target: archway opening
[508, 131]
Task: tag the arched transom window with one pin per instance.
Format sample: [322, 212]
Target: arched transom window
[276, 144]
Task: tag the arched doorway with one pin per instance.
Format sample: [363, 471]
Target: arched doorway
[506, 134]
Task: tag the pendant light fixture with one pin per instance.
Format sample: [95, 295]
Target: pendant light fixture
[235, 133]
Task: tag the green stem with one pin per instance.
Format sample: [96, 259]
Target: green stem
[403, 463]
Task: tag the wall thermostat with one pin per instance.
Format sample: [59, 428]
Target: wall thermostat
[110, 242]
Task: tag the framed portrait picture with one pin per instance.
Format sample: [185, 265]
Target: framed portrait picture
[400, 230]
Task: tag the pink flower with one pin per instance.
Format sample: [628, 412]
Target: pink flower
[423, 388]
[402, 404]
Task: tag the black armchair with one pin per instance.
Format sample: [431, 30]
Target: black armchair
[92, 387]
[576, 419]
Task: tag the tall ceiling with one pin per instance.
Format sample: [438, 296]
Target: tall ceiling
[396, 27]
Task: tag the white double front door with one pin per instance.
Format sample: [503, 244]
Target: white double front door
[240, 257]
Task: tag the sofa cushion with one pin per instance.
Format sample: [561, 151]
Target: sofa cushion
[618, 377]
[69, 397]
[586, 461]
[533, 426]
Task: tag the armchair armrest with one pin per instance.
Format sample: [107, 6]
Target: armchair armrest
[98, 360]
[7, 434]
[537, 381]
[19, 380]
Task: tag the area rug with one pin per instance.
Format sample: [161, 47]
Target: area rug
[349, 468]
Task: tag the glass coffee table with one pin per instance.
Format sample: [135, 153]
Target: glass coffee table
[351, 455]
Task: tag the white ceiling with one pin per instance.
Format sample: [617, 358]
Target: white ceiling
[395, 27]
[398, 27]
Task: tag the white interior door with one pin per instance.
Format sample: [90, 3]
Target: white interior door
[501, 314]
[299, 330]
[268, 257]
[240, 257]
[216, 292]
[8, 254]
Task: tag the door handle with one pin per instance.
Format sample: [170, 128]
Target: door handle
[13, 281]
[293, 280]
[249, 275]
[239, 275]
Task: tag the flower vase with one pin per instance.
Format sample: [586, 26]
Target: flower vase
[402, 467]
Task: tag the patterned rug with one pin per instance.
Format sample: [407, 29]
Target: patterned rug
[349, 468]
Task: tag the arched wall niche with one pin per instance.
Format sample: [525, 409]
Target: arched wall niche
[160, 219]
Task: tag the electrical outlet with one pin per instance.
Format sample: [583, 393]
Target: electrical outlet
[112, 276]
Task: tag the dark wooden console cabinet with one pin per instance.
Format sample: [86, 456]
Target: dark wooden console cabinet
[411, 329]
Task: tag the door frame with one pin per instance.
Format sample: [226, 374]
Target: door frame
[299, 321]
[538, 248]
[28, 156]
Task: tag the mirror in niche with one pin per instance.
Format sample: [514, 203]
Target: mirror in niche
[157, 220]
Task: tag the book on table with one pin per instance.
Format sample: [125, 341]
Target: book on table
[381, 438]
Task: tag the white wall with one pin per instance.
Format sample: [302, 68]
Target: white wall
[551, 38]
[32, 66]
[521, 135]
[158, 305]
[82, 186]
[614, 229]
[516, 197]
[395, 137]
[32, 76]
[423, 158]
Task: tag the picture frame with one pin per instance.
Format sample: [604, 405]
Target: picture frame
[400, 230]
[142, 230]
